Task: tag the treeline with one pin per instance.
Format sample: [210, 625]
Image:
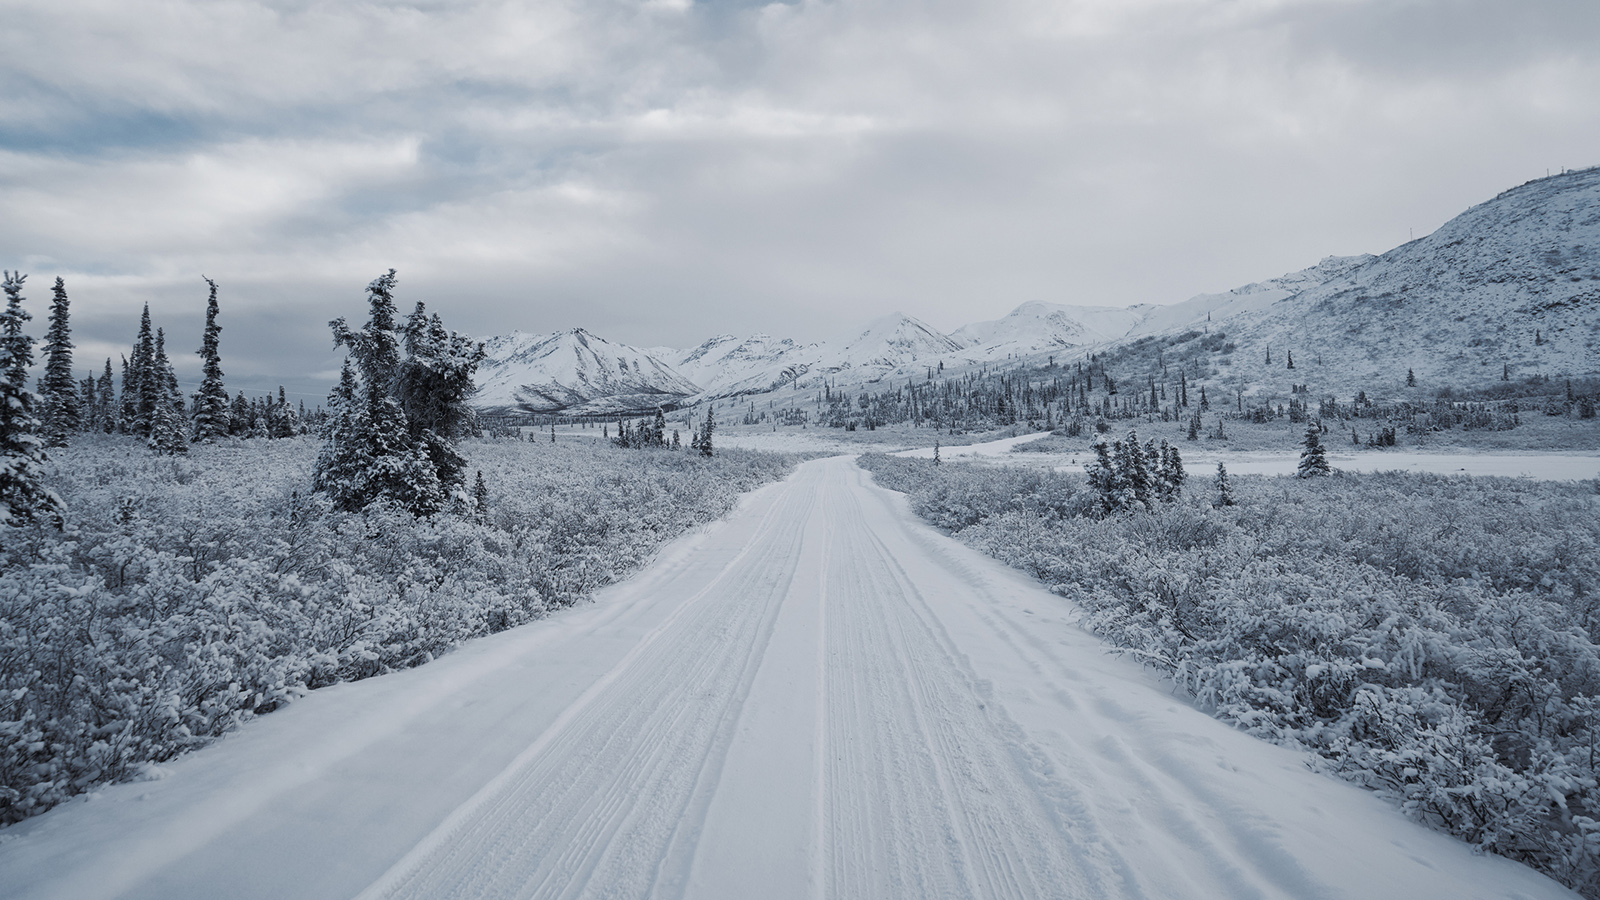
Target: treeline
[1174, 379]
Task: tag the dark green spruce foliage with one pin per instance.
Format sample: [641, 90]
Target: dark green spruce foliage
[211, 413]
[62, 410]
[1129, 475]
[23, 496]
[374, 449]
[1313, 458]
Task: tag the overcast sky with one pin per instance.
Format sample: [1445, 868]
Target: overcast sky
[662, 171]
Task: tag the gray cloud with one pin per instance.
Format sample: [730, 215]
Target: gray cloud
[659, 171]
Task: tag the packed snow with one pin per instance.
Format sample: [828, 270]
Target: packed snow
[819, 696]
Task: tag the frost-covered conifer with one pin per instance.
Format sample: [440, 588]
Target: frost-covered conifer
[23, 495]
[1104, 477]
[61, 409]
[106, 400]
[434, 383]
[168, 431]
[1313, 458]
[371, 451]
[139, 388]
[1224, 489]
[707, 429]
[1134, 468]
[211, 414]
[480, 493]
[282, 421]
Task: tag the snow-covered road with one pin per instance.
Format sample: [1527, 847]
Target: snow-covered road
[818, 697]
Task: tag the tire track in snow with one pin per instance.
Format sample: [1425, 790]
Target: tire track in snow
[950, 809]
[591, 808]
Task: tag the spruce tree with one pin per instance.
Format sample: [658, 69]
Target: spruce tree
[1313, 458]
[480, 493]
[434, 385]
[372, 452]
[62, 412]
[107, 400]
[1224, 489]
[707, 429]
[23, 496]
[211, 414]
[140, 387]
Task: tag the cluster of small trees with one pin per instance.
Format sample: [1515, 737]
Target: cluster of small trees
[1130, 475]
[652, 433]
[393, 428]
[647, 433]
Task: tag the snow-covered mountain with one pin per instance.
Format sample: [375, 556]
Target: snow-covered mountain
[1039, 327]
[573, 371]
[724, 361]
[1511, 284]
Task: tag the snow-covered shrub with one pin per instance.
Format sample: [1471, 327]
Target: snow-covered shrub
[187, 594]
[1432, 637]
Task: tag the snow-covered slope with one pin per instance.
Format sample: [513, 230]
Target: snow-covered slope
[1510, 284]
[725, 360]
[1039, 327]
[864, 355]
[573, 371]
[1251, 298]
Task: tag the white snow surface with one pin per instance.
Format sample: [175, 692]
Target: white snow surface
[819, 697]
[987, 448]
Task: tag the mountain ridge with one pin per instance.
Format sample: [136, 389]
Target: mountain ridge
[1511, 285]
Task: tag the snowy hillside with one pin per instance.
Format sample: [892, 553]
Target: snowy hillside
[1510, 287]
[573, 371]
[725, 360]
[1039, 327]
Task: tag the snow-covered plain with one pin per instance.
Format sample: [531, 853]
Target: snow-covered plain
[819, 696]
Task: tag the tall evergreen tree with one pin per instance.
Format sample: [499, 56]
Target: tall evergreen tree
[371, 452]
[166, 380]
[62, 410]
[211, 414]
[707, 429]
[1224, 489]
[139, 390]
[1313, 458]
[106, 399]
[434, 384]
[23, 495]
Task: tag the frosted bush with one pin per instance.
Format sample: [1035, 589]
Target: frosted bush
[1431, 637]
[186, 595]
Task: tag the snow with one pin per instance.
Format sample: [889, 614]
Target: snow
[987, 448]
[573, 371]
[817, 696]
[1548, 467]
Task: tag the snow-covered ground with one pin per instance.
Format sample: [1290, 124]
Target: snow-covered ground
[987, 448]
[817, 697]
[1546, 466]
